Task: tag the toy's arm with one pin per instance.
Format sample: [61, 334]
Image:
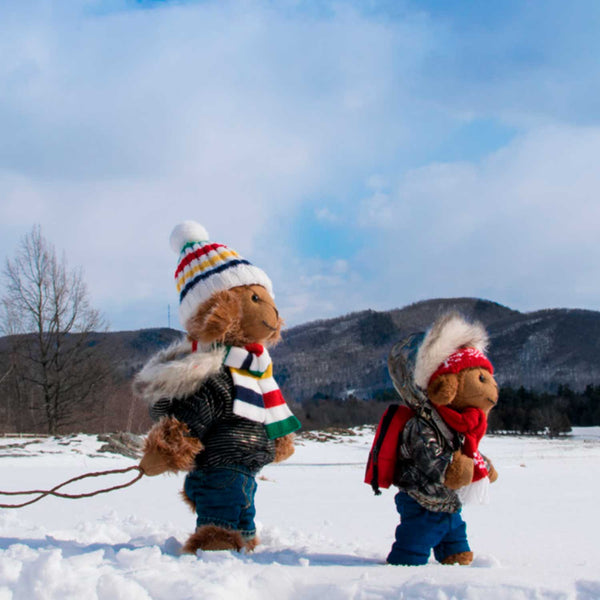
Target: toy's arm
[169, 447]
[459, 472]
[422, 446]
[173, 443]
[284, 447]
[492, 473]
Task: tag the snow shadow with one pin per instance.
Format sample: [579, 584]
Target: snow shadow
[290, 557]
[68, 548]
[287, 557]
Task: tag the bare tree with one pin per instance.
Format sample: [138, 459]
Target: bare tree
[46, 312]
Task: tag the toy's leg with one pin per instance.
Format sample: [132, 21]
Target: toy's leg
[454, 547]
[246, 523]
[419, 531]
[190, 503]
[212, 537]
[217, 496]
[462, 558]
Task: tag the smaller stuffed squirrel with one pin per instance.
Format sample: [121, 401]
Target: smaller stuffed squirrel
[221, 416]
[441, 472]
[463, 396]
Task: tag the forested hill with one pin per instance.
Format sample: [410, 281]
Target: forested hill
[538, 350]
[332, 358]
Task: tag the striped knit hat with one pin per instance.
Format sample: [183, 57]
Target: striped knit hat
[206, 267]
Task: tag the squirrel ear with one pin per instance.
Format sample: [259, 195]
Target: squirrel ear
[216, 318]
[442, 390]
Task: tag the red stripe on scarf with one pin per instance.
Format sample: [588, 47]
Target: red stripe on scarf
[273, 399]
[256, 349]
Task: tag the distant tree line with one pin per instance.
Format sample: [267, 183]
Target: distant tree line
[519, 411]
[526, 412]
[322, 412]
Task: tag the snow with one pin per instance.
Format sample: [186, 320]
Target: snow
[324, 534]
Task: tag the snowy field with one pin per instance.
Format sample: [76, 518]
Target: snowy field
[324, 535]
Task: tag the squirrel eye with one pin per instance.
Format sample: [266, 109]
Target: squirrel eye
[255, 298]
[481, 377]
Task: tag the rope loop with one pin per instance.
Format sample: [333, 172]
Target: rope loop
[54, 491]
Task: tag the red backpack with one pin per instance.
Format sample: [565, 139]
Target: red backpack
[384, 450]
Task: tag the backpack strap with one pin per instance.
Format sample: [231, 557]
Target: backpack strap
[452, 439]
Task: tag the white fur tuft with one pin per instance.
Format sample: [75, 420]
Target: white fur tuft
[177, 371]
[188, 231]
[449, 333]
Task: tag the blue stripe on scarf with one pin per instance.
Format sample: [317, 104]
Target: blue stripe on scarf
[190, 284]
[247, 362]
[250, 396]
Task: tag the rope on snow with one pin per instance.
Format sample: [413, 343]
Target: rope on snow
[54, 491]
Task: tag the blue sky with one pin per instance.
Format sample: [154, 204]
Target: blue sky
[365, 154]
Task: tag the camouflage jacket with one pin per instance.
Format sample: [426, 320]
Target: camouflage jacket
[424, 456]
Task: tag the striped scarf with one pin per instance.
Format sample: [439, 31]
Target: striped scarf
[257, 395]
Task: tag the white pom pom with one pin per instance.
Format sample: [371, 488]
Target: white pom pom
[188, 231]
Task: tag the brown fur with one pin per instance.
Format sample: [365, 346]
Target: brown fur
[238, 316]
[284, 447]
[212, 537]
[188, 501]
[476, 387]
[471, 387]
[462, 558]
[251, 544]
[465, 389]
[442, 390]
[459, 472]
[217, 319]
[169, 447]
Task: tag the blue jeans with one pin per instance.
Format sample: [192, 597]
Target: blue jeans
[420, 530]
[224, 496]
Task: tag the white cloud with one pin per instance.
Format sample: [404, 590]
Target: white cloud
[519, 227]
[117, 126]
[325, 215]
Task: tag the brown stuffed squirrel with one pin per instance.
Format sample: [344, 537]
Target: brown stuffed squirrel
[443, 471]
[459, 379]
[220, 413]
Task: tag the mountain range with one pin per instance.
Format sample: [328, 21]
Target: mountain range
[335, 357]
[347, 355]
[537, 350]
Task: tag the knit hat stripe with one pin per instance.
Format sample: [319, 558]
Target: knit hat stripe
[197, 254]
[205, 268]
[205, 265]
[464, 358]
[202, 276]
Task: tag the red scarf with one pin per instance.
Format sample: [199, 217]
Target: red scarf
[472, 422]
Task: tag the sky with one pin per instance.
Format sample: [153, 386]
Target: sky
[365, 154]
